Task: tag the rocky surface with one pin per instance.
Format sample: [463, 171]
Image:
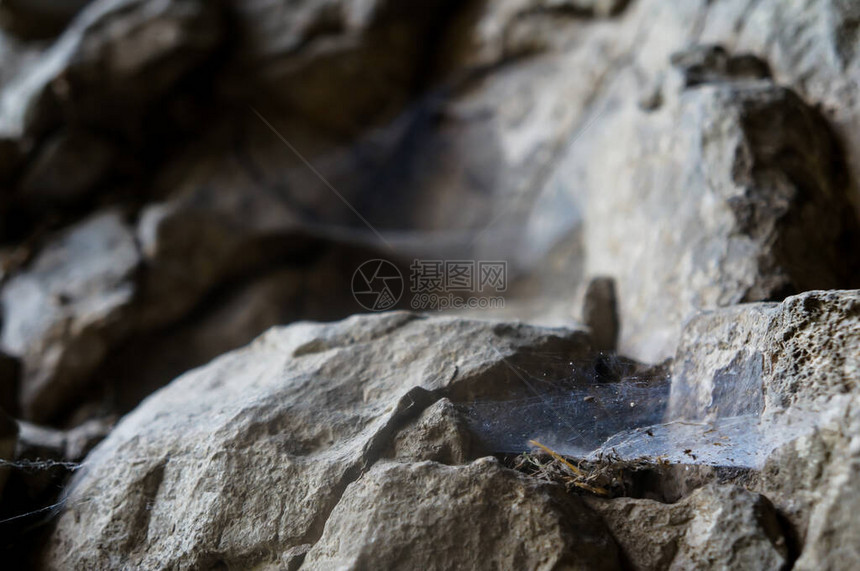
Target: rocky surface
[775, 359]
[768, 357]
[304, 410]
[60, 314]
[178, 176]
[405, 516]
[715, 527]
[749, 171]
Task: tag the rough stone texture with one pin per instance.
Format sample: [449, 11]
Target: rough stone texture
[186, 479]
[756, 209]
[766, 357]
[61, 313]
[772, 359]
[814, 481]
[715, 527]
[700, 153]
[440, 434]
[480, 516]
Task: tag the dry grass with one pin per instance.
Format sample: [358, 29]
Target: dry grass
[608, 476]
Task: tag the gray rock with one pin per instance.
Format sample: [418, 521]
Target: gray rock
[768, 357]
[702, 208]
[62, 313]
[715, 527]
[814, 481]
[811, 46]
[600, 313]
[186, 479]
[128, 51]
[440, 434]
[479, 516]
[772, 360]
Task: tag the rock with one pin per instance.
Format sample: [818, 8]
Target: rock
[745, 222]
[814, 481]
[10, 382]
[440, 434]
[811, 46]
[39, 18]
[8, 440]
[64, 311]
[66, 168]
[709, 64]
[768, 357]
[600, 313]
[305, 410]
[479, 516]
[128, 51]
[715, 527]
[777, 359]
[306, 56]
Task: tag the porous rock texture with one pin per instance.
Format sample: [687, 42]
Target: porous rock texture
[803, 351]
[774, 359]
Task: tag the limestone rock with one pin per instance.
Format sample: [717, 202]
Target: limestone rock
[715, 527]
[813, 481]
[440, 434]
[706, 209]
[479, 516]
[187, 478]
[61, 313]
[767, 357]
[772, 360]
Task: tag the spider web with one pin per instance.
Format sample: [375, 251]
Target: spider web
[623, 412]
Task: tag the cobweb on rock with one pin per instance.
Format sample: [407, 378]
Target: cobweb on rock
[623, 414]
